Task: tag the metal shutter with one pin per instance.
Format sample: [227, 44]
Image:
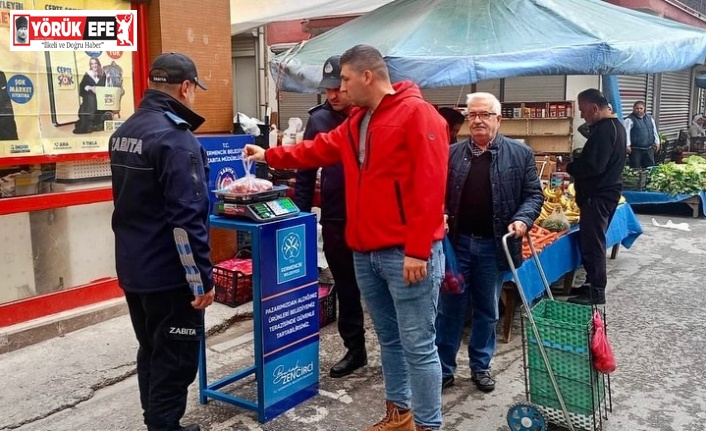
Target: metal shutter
[674, 103]
[243, 45]
[650, 96]
[446, 96]
[632, 88]
[535, 88]
[452, 96]
[295, 105]
[700, 101]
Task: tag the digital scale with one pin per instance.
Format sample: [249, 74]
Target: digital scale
[260, 207]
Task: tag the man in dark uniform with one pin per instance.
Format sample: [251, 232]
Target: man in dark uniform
[324, 118]
[8, 127]
[160, 191]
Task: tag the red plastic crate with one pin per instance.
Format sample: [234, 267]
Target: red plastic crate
[327, 304]
[233, 281]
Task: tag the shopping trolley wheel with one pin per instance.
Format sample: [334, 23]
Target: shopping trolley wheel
[526, 417]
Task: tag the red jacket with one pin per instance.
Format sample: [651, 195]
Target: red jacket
[396, 198]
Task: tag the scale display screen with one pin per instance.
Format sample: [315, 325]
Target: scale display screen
[258, 211]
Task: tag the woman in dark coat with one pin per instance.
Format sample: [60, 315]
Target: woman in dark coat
[89, 117]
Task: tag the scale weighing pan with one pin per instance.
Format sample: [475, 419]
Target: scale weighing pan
[247, 198]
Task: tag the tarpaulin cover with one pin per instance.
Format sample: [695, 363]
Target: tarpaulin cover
[439, 43]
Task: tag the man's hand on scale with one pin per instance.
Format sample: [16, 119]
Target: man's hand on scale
[254, 153]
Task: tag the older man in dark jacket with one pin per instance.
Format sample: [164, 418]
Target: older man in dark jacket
[492, 189]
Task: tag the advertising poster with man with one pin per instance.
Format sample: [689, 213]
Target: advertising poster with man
[58, 102]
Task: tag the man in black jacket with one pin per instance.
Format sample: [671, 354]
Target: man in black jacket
[160, 191]
[598, 180]
[492, 189]
[324, 118]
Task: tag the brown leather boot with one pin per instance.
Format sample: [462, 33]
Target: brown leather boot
[421, 428]
[395, 420]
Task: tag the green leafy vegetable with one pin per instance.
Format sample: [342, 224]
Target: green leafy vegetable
[688, 178]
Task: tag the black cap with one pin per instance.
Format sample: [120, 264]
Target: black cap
[332, 73]
[174, 68]
[21, 22]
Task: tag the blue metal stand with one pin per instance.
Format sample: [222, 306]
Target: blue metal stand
[286, 332]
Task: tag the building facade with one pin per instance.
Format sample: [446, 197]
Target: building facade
[672, 98]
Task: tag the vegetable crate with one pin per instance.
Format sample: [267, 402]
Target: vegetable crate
[233, 281]
[327, 304]
[565, 330]
[636, 179]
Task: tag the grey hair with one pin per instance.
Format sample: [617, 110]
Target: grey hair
[497, 107]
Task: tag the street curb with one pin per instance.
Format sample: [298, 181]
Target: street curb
[57, 325]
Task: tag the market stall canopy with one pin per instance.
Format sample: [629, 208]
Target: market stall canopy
[248, 14]
[439, 43]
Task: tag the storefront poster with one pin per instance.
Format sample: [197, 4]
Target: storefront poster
[61, 102]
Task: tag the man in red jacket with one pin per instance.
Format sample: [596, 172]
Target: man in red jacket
[394, 150]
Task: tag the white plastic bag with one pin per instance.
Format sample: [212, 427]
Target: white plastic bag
[557, 221]
[249, 183]
[249, 125]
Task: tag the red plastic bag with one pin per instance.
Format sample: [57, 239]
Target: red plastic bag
[603, 359]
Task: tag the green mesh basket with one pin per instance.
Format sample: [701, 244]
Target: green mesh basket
[565, 330]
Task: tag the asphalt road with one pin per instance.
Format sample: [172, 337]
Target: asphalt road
[85, 380]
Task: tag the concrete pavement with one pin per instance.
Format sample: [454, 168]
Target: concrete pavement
[85, 379]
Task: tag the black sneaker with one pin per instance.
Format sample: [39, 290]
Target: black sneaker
[447, 382]
[575, 291]
[483, 380]
[591, 296]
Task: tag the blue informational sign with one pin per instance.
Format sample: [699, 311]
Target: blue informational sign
[289, 318]
[289, 374]
[291, 256]
[286, 316]
[225, 159]
[289, 313]
[292, 259]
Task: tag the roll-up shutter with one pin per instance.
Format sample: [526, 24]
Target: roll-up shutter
[700, 101]
[675, 101]
[632, 88]
[535, 88]
[650, 96]
[453, 96]
[295, 105]
[244, 72]
[446, 96]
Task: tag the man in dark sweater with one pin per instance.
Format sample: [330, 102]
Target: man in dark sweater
[598, 181]
[324, 118]
[492, 189]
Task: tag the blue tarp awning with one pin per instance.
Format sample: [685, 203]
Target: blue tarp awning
[439, 43]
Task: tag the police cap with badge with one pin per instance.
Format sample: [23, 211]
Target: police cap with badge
[331, 79]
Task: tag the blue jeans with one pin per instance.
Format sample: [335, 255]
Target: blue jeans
[478, 262]
[403, 316]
